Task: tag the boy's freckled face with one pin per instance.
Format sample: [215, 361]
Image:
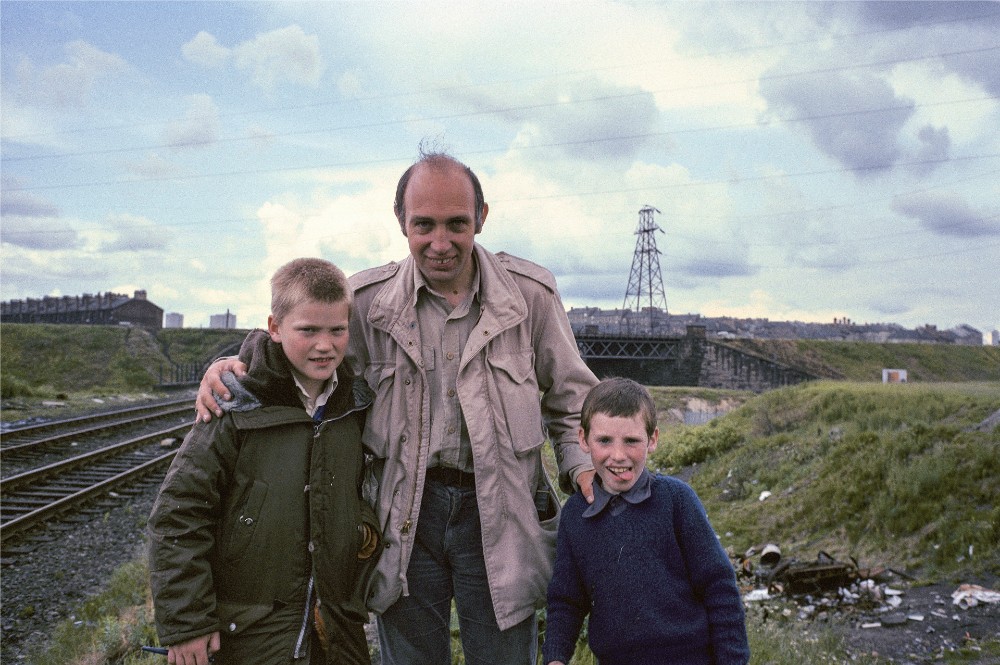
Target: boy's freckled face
[314, 337]
[618, 447]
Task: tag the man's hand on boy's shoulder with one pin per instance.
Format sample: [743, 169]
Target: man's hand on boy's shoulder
[585, 481]
[205, 405]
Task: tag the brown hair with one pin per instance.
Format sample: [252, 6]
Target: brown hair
[620, 398]
[307, 279]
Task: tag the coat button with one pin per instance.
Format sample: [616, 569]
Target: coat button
[232, 628]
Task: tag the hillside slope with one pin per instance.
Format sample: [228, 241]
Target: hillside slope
[898, 475]
[864, 361]
[48, 358]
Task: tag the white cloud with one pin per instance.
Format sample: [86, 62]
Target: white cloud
[68, 84]
[40, 233]
[127, 233]
[764, 304]
[287, 54]
[947, 214]
[199, 128]
[206, 51]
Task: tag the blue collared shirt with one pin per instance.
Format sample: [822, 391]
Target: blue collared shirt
[603, 498]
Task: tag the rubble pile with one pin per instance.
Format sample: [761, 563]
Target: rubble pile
[879, 604]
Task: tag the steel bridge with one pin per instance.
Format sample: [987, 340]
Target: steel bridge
[605, 347]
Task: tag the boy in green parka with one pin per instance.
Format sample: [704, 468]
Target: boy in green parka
[261, 541]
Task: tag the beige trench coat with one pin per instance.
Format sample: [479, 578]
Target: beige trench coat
[521, 381]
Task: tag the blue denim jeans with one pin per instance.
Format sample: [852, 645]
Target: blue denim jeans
[447, 562]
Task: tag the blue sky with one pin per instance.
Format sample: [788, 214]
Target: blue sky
[810, 161]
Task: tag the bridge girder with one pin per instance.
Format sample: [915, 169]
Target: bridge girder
[628, 348]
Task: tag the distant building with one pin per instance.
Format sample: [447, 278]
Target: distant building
[593, 321]
[108, 309]
[966, 334]
[995, 338]
[173, 320]
[227, 321]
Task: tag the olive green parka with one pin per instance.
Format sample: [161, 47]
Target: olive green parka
[262, 510]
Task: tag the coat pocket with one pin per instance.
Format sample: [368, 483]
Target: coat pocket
[247, 517]
[381, 378]
[517, 388]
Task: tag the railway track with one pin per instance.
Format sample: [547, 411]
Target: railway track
[90, 468]
[42, 435]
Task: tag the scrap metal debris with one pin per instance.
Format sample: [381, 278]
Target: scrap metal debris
[826, 585]
[970, 595]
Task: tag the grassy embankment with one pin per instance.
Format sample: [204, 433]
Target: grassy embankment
[859, 361]
[74, 363]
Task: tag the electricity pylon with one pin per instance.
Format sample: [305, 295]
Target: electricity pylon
[645, 282]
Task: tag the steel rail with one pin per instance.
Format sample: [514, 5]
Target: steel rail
[14, 483]
[24, 522]
[112, 419]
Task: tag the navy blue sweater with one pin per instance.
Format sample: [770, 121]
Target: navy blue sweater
[657, 584]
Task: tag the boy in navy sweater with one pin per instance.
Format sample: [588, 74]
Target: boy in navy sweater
[643, 559]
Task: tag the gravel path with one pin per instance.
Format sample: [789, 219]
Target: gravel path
[68, 565]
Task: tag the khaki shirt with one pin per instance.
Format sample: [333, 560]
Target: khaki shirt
[443, 334]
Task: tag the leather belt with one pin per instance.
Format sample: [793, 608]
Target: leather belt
[447, 475]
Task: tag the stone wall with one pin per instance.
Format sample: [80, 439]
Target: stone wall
[725, 367]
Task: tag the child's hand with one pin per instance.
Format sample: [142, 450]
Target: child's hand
[196, 651]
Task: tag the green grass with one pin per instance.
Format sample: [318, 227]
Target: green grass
[863, 361]
[58, 358]
[892, 474]
[48, 360]
[196, 345]
[108, 628]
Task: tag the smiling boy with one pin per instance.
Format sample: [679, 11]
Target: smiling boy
[261, 542]
[643, 559]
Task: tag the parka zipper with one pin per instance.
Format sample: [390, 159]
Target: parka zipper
[307, 612]
[304, 629]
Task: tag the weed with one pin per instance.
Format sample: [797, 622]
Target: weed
[108, 628]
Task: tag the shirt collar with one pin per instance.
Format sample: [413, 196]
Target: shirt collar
[311, 405]
[635, 495]
[420, 282]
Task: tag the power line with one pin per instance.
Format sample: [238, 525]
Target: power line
[631, 66]
[453, 116]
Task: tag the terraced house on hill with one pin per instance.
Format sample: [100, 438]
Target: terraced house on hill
[107, 309]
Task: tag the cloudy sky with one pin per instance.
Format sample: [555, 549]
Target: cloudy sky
[808, 160]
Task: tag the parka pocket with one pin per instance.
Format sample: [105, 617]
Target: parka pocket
[245, 522]
[514, 376]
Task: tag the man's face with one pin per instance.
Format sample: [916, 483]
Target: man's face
[618, 448]
[314, 337]
[440, 226]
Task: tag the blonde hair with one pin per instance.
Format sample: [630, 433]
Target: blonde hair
[307, 279]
